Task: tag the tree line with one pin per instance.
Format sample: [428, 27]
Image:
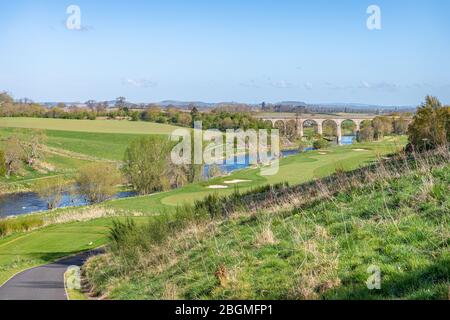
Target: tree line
[221, 118]
[382, 126]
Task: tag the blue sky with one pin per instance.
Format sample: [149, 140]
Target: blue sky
[247, 50]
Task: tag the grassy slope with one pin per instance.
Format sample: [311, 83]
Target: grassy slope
[320, 251]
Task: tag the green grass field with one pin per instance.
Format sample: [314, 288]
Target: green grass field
[30, 249]
[96, 126]
[26, 250]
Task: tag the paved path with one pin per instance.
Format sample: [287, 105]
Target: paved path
[42, 283]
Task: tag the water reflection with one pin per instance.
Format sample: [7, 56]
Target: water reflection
[27, 202]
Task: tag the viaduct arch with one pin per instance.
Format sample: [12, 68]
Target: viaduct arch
[320, 121]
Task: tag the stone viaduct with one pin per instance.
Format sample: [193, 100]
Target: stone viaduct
[319, 120]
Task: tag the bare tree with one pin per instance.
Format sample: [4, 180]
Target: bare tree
[51, 191]
[13, 156]
[32, 144]
[97, 182]
[2, 164]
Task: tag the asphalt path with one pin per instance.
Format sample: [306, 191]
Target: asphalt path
[44, 282]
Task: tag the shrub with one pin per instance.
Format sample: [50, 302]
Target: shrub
[431, 125]
[97, 182]
[51, 191]
[146, 164]
[19, 224]
[212, 204]
[129, 240]
[321, 144]
[366, 134]
[302, 146]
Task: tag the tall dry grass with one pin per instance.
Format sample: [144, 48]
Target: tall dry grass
[11, 225]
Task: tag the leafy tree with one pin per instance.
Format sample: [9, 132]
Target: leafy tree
[348, 127]
[152, 113]
[227, 123]
[120, 102]
[400, 125]
[97, 182]
[179, 175]
[91, 104]
[194, 114]
[366, 134]
[135, 116]
[431, 125]
[146, 163]
[382, 126]
[185, 119]
[321, 144]
[5, 98]
[329, 129]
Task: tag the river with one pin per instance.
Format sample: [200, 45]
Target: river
[27, 202]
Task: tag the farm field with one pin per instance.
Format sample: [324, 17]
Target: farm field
[98, 126]
[90, 145]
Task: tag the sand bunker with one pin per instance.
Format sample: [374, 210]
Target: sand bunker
[236, 181]
[323, 153]
[360, 150]
[217, 187]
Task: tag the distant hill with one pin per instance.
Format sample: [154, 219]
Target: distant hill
[282, 106]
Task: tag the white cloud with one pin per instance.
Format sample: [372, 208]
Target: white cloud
[308, 85]
[250, 84]
[385, 86]
[281, 84]
[365, 84]
[139, 83]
